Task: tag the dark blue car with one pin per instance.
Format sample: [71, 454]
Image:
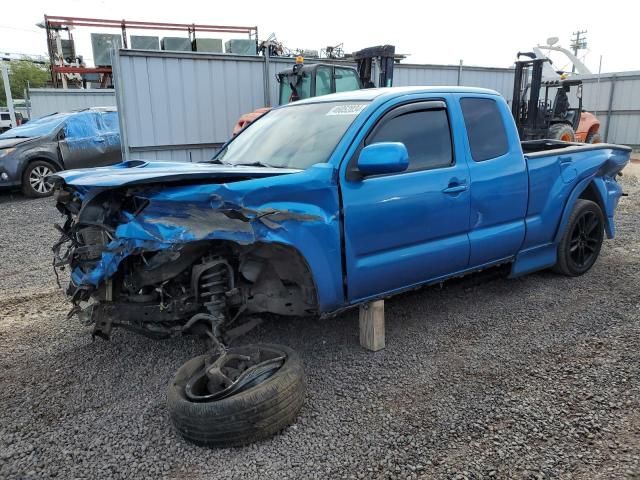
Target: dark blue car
[61, 141]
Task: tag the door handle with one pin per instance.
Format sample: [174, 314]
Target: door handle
[455, 189]
[100, 140]
[565, 160]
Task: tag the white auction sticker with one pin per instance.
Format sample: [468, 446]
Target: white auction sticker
[347, 109]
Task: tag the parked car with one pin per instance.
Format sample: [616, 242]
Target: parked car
[33, 151]
[316, 207]
[5, 121]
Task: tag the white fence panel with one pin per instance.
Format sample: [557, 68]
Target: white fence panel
[45, 101]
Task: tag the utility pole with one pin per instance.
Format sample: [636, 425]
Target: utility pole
[578, 42]
[7, 91]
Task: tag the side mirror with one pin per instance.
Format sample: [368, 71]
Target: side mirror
[384, 157]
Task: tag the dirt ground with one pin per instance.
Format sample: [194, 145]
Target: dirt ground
[537, 377]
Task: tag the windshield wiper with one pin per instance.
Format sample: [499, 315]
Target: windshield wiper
[218, 161]
[255, 164]
[250, 164]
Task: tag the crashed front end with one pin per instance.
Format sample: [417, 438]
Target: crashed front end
[167, 258]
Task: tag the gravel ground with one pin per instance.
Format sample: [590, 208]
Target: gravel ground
[530, 378]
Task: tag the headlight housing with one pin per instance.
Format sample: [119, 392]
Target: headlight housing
[6, 151]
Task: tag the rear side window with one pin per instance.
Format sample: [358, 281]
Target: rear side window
[82, 125]
[110, 122]
[323, 81]
[346, 80]
[426, 135]
[5, 116]
[485, 128]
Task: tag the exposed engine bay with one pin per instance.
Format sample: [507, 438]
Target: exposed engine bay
[194, 285]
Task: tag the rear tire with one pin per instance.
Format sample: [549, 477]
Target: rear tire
[561, 131]
[582, 240]
[33, 179]
[245, 417]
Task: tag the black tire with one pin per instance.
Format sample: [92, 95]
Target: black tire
[33, 184]
[594, 138]
[582, 240]
[246, 417]
[561, 131]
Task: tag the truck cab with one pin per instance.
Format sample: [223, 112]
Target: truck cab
[305, 81]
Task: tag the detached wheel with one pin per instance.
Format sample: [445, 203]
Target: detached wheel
[247, 395]
[582, 240]
[561, 131]
[34, 182]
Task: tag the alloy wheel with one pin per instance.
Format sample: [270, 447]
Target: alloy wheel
[37, 179]
[585, 238]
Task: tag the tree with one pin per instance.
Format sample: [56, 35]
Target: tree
[21, 74]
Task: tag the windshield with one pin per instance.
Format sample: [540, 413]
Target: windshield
[296, 136]
[38, 127]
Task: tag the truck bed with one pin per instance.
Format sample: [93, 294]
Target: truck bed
[555, 170]
[538, 148]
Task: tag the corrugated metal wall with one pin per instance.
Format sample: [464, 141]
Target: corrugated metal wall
[405, 75]
[45, 101]
[615, 99]
[182, 106]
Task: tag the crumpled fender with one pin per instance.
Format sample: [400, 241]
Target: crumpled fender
[299, 210]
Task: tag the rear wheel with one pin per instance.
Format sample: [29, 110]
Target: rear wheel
[582, 239]
[34, 183]
[561, 131]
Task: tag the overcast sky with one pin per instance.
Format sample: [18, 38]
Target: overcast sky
[486, 33]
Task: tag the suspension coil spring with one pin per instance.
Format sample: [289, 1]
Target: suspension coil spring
[212, 279]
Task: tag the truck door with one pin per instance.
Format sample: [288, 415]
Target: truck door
[499, 180]
[407, 228]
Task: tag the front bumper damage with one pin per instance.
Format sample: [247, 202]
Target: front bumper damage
[163, 260]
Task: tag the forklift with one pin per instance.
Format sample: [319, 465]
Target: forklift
[544, 118]
[306, 81]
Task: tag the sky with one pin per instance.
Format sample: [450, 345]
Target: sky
[485, 33]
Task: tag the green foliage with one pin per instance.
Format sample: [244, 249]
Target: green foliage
[22, 72]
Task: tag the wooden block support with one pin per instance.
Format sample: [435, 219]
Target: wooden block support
[372, 325]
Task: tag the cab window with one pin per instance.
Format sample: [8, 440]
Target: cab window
[425, 133]
[323, 81]
[346, 80]
[485, 128]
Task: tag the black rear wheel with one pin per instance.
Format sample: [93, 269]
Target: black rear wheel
[582, 240]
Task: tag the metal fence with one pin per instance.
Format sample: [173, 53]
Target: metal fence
[182, 106]
[45, 101]
[615, 100]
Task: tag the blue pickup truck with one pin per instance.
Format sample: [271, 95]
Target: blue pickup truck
[318, 206]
